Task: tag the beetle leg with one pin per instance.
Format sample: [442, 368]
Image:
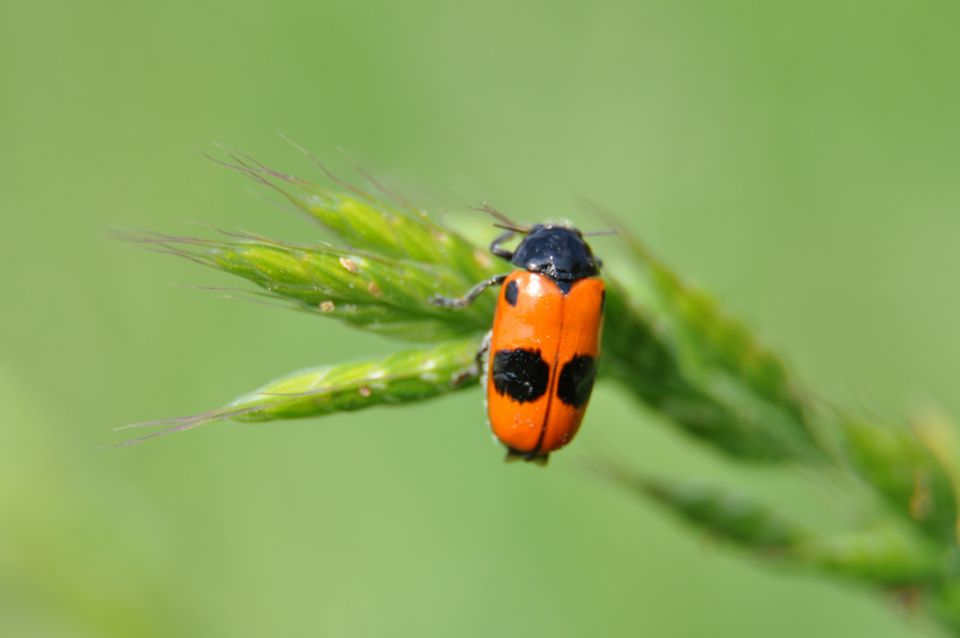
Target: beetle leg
[503, 253]
[470, 297]
[530, 457]
[482, 352]
[475, 370]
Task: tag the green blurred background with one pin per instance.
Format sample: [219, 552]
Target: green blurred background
[798, 159]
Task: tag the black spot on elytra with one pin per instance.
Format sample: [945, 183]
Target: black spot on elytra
[576, 380]
[520, 374]
[510, 293]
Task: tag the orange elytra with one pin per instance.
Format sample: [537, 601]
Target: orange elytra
[545, 342]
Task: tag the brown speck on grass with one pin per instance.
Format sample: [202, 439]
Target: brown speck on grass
[349, 264]
[920, 499]
[327, 306]
[365, 391]
[482, 258]
[374, 289]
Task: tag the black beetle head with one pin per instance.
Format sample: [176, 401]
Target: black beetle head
[559, 252]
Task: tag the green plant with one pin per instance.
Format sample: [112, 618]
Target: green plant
[668, 345]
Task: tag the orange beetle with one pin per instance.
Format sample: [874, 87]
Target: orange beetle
[545, 340]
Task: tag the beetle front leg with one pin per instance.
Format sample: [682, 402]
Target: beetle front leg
[470, 297]
[497, 250]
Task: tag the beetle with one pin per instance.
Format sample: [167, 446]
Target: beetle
[542, 351]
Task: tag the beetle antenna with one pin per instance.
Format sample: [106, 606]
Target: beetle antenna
[505, 222]
[515, 229]
[592, 207]
[602, 233]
